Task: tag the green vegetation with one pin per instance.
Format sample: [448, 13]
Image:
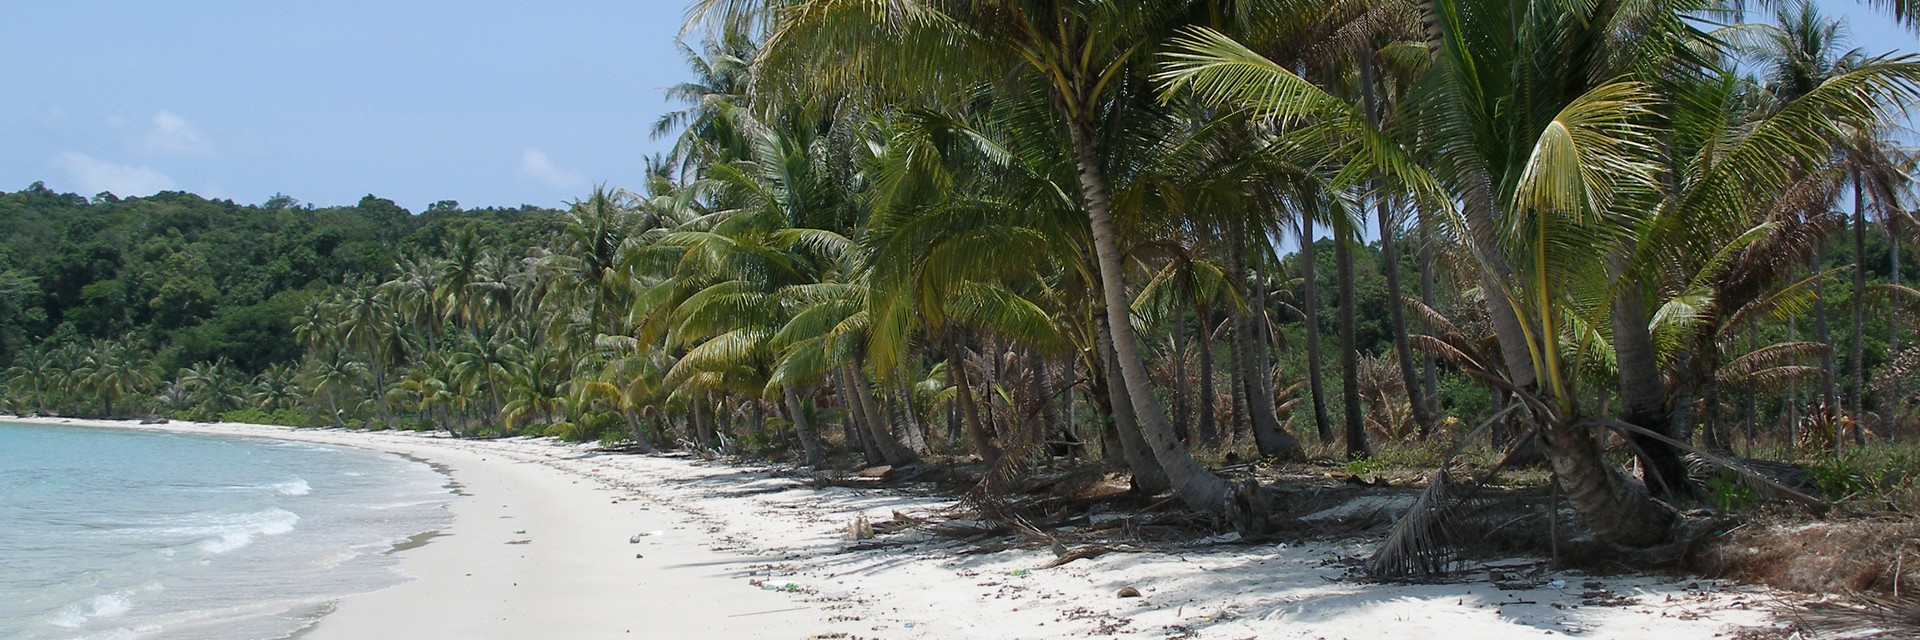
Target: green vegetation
[1016, 230]
[185, 306]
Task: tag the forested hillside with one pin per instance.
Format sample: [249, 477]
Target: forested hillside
[175, 279]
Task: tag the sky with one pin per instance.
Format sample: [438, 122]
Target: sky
[485, 102]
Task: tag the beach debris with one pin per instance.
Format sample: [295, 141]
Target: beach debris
[1128, 592]
[860, 529]
[791, 587]
[900, 522]
[521, 541]
[875, 472]
[1063, 555]
[1020, 573]
[520, 532]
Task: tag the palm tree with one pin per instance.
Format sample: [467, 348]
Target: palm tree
[1087, 57]
[1552, 160]
[30, 378]
[115, 372]
[331, 375]
[276, 388]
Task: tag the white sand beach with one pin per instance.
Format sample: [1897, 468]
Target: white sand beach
[551, 540]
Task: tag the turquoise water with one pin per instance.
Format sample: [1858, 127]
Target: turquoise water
[114, 533]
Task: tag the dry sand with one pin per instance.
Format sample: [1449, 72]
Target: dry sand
[741, 552]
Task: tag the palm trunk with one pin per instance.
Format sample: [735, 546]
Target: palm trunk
[1643, 395]
[380, 392]
[1893, 411]
[1752, 408]
[1893, 270]
[1182, 388]
[1272, 440]
[1356, 429]
[1148, 476]
[1037, 394]
[1617, 510]
[1858, 364]
[1209, 426]
[1197, 487]
[857, 426]
[1793, 393]
[1429, 376]
[1310, 298]
[637, 429]
[916, 439]
[1237, 374]
[704, 430]
[1829, 394]
[1071, 445]
[963, 394]
[1397, 314]
[802, 429]
[890, 448]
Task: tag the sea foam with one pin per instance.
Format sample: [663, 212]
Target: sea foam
[294, 487]
[239, 531]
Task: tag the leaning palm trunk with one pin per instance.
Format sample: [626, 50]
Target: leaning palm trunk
[963, 395]
[1643, 395]
[1397, 315]
[858, 433]
[1429, 376]
[1268, 435]
[1198, 488]
[802, 429]
[891, 450]
[1148, 476]
[638, 429]
[1618, 509]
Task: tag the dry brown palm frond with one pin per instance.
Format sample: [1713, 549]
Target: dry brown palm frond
[1424, 542]
[1777, 474]
[1443, 350]
[1777, 378]
[1860, 616]
[1436, 323]
[1801, 220]
[1774, 355]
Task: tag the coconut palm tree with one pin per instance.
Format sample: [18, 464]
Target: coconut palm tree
[1086, 57]
[276, 388]
[1552, 159]
[114, 372]
[30, 379]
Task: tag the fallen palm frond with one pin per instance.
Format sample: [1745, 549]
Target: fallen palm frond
[1746, 473]
[1858, 616]
[1779, 474]
[1423, 541]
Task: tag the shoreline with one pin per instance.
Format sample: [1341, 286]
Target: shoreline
[737, 551]
[530, 553]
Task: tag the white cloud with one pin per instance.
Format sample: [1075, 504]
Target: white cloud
[90, 175]
[538, 166]
[171, 134]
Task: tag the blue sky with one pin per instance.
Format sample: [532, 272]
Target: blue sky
[487, 103]
[484, 102]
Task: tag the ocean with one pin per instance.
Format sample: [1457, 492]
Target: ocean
[116, 533]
